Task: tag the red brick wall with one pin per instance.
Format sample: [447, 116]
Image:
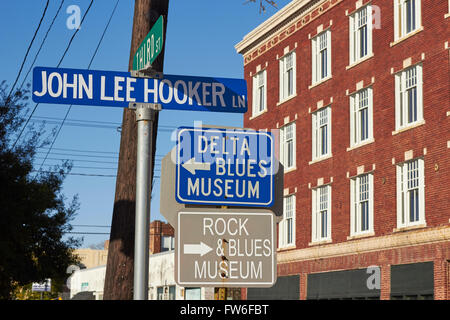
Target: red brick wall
[157, 230]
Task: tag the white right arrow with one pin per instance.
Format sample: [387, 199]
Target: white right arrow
[191, 166]
[200, 249]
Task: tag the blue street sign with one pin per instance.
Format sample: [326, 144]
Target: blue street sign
[232, 167]
[118, 89]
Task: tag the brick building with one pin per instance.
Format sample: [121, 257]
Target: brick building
[161, 237]
[359, 94]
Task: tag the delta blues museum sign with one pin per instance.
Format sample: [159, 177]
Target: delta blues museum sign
[232, 167]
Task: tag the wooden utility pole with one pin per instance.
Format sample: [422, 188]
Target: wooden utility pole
[120, 264]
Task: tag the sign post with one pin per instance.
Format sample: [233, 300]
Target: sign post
[145, 115]
[146, 54]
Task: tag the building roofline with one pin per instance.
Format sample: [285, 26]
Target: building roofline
[251, 39]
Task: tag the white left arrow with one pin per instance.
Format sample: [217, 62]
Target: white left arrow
[200, 249]
[191, 165]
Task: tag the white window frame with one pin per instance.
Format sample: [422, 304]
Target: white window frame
[321, 202]
[361, 200]
[318, 123]
[286, 236]
[361, 101]
[319, 43]
[358, 20]
[288, 137]
[410, 183]
[400, 17]
[167, 242]
[284, 76]
[259, 80]
[407, 79]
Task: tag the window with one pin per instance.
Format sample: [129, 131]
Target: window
[410, 193]
[321, 215]
[321, 56]
[167, 243]
[166, 293]
[361, 117]
[361, 34]
[287, 224]
[361, 209]
[287, 146]
[321, 135]
[287, 76]
[192, 294]
[409, 97]
[407, 17]
[259, 93]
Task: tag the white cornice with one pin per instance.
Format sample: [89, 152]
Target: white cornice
[270, 24]
[388, 242]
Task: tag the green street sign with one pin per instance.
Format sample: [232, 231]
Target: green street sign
[150, 47]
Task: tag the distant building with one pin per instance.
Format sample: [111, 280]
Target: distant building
[91, 258]
[87, 284]
[358, 91]
[161, 237]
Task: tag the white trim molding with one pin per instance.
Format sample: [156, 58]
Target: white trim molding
[358, 246]
[286, 22]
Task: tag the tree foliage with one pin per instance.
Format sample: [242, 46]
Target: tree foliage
[34, 215]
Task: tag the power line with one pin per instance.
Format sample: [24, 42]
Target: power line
[99, 122]
[42, 44]
[59, 63]
[80, 160]
[80, 174]
[85, 151]
[89, 67]
[86, 174]
[75, 33]
[78, 167]
[79, 120]
[87, 156]
[75, 124]
[28, 50]
[80, 155]
[90, 226]
[92, 233]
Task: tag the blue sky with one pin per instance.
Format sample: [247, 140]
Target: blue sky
[200, 41]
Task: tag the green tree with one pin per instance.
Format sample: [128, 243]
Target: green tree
[34, 215]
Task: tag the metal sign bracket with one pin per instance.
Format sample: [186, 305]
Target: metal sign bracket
[147, 73]
[140, 105]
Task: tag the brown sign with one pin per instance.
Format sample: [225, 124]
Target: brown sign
[225, 248]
